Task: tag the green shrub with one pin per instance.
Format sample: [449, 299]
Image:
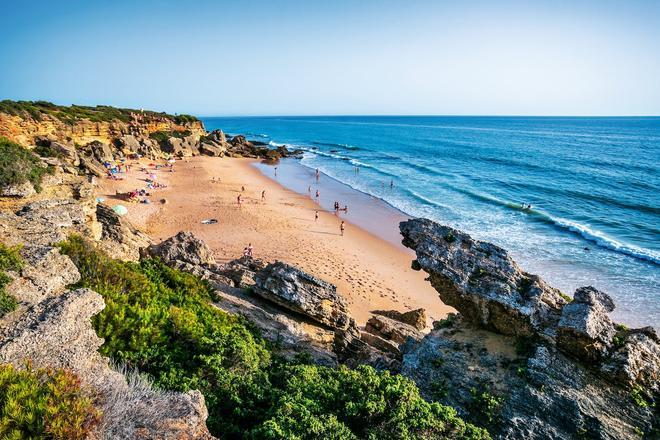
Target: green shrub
[10, 259]
[485, 406]
[47, 151]
[19, 165]
[446, 322]
[74, 113]
[161, 321]
[322, 402]
[44, 404]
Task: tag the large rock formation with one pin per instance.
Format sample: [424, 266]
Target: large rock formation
[581, 376]
[585, 329]
[298, 312]
[119, 238]
[302, 293]
[183, 247]
[482, 281]
[25, 129]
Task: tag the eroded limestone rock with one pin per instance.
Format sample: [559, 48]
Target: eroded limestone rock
[302, 293]
[185, 247]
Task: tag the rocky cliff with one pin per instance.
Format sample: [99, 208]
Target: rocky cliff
[25, 123]
[93, 135]
[524, 358]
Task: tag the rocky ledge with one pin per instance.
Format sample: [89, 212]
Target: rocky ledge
[298, 311]
[575, 373]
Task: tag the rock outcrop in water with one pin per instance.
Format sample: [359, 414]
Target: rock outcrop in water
[576, 373]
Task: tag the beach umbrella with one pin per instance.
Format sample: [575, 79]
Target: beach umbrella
[120, 209]
[171, 161]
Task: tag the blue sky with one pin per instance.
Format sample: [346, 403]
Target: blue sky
[336, 57]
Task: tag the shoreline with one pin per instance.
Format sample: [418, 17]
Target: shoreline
[369, 270]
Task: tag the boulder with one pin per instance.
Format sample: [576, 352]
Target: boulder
[212, 149]
[24, 189]
[182, 146]
[392, 330]
[65, 150]
[128, 142]
[636, 361]
[184, 247]
[45, 273]
[59, 213]
[100, 151]
[241, 271]
[119, 238]
[482, 282]
[302, 293]
[292, 333]
[415, 318]
[585, 329]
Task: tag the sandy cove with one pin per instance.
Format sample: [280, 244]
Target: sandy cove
[371, 273]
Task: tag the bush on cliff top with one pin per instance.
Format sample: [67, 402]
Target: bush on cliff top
[74, 113]
[19, 165]
[44, 404]
[162, 321]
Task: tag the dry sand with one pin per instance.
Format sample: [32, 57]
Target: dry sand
[369, 272]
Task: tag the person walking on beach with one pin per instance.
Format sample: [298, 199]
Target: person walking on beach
[317, 195]
[341, 228]
[316, 216]
[263, 195]
[238, 200]
[242, 188]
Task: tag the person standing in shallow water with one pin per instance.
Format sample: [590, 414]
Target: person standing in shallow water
[342, 227]
[318, 174]
[317, 195]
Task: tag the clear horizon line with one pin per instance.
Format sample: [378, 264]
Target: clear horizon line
[419, 115]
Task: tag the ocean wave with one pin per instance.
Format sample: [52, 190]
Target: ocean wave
[261, 135]
[603, 240]
[333, 145]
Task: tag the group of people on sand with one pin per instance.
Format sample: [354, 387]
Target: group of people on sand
[337, 208]
[239, 198]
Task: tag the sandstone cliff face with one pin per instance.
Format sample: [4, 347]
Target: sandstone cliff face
[25, 130]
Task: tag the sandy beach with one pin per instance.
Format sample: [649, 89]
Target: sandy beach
[370, 272]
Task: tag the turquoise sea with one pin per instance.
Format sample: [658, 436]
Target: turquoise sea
[593, 183]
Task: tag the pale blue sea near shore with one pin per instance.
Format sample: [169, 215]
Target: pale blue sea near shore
[594, 184]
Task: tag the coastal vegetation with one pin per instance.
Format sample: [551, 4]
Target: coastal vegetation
[44, 403]
[163, 136]
[10, 259]
[162, 321]
[74, 113]
[18, 165]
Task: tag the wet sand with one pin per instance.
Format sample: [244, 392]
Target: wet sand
[371, 270]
